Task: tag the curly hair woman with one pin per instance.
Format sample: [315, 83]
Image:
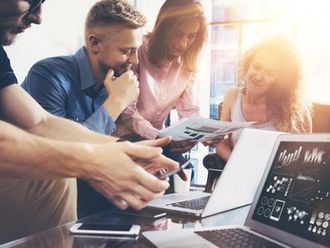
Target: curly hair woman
[270, 93]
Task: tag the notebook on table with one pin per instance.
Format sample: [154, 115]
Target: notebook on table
[238, 182]
[291, 207]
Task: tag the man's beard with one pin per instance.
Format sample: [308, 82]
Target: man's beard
[118, 71]
[7, 38]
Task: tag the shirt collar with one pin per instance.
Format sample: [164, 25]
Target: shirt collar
[85, 71]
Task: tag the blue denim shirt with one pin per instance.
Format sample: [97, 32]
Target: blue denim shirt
[65, 87]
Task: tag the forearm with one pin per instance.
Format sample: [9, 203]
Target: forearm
[223, 151]
[62, 129]
[26, 155]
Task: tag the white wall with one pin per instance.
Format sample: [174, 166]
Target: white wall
[61, 33]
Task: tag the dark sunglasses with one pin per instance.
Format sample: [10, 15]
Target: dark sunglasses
[34, 4]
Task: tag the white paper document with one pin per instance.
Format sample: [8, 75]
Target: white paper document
[201, 129]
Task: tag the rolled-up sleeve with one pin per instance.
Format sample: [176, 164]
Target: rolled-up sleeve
[133, 120]
[55, 93]
[101, 122]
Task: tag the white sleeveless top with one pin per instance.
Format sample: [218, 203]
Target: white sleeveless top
[237, 115]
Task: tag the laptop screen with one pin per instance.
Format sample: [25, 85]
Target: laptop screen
[296, 195]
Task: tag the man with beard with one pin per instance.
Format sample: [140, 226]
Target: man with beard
[41, 154]
[96, 84]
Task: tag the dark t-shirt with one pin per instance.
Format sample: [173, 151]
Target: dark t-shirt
[7, 76]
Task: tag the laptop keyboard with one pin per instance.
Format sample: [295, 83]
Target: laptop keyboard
[235, 238]
[195, 204]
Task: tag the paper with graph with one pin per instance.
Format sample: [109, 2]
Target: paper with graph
[201, 129]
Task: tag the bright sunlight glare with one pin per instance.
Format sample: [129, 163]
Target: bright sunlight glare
[306, 23]
[311, 19]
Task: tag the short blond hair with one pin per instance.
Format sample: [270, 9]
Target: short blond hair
[111, 12]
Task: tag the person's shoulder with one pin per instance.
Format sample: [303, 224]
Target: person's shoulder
[228, 101]
[54, 64]
[50, 71]
[230, 96]
[56, 61]
[232, 92]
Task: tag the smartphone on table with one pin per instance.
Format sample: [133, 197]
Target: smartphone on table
[105, 229]
[170, 173]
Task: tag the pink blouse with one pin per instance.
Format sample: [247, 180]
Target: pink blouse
[161, 89]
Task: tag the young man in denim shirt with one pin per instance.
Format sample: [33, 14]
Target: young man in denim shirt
[41, 152]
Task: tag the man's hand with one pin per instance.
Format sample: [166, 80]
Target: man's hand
[158, 142]
[154, 166]
[113, 172]
[181, 146]
[122, 91]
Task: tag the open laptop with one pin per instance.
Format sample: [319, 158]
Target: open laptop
[291, 206]
[238, 182]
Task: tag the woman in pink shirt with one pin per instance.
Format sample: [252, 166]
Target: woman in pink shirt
[167, 65]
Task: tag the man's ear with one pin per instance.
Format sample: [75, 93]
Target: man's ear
[93, 43]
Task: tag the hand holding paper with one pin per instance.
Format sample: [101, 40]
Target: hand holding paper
[201, 129]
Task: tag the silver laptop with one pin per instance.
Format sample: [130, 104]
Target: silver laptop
[291, 206]
[238, 182]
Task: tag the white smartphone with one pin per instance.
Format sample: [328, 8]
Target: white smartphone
[105, 229]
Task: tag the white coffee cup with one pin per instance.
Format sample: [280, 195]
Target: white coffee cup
[179, 184]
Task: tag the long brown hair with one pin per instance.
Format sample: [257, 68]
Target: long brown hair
[289, 110]
[171, 14]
